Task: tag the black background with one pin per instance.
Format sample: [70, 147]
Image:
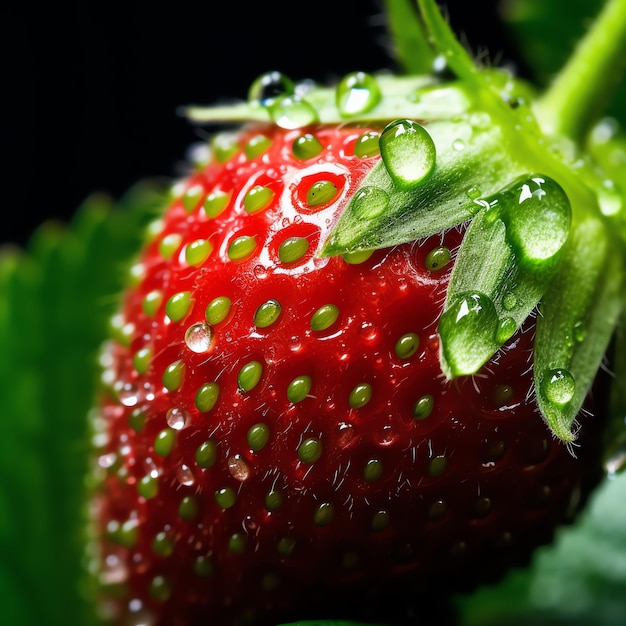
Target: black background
[91, 89]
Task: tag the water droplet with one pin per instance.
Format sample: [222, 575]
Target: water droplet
[185, 476]
[506, 329]
[368, 331]
[114, 570]
[128, 395]
[269, 86]
[260, 271]
[609, 200]
[473, 193]
[345, 434]
[408, 152]
[369, 202]
[357, 93]
[107, 461]
[458, 144]
[558, 386]
[291, 112]
[386, 435]
[177, 418]
[580, 331]
[509, 301]
[199, 337]
[468, 331]
[537, 216]
[239, 468]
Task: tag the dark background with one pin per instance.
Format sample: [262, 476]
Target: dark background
[91, 89]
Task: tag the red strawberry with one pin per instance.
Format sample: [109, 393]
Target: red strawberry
[284, 434]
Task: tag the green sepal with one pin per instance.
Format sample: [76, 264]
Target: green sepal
[506, 261]
[416, 97]
[578, 317]
[470, 162]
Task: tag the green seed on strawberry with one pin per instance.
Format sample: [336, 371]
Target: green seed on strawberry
[330, 378]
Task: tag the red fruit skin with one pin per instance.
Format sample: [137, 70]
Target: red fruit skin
[396, 508]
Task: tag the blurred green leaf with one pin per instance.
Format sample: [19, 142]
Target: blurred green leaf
[546, 33]
[580, 579]
[55, 301]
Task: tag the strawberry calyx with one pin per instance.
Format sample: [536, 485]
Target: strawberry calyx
[545, 223]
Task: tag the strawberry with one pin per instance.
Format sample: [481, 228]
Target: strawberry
[327, 391]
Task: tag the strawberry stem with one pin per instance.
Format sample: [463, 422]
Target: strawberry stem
[411, 48]
[576, 97]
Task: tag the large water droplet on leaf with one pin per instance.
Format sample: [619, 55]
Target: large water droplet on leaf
[270, 85]
[408, 152]
[368, 202]
[537, 215]
[468, 330]
[558, 386]
[357, 93]
[292, 112]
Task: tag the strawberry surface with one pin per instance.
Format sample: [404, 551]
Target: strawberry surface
[276, 427]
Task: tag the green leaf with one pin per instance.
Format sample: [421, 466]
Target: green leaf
[56, 299]
[579, 580]
[408, 96]
[470, 162]
[506, 260]
[578, 318]
[546, 33]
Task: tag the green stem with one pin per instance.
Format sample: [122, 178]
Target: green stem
[411, 47]
[576, 98]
